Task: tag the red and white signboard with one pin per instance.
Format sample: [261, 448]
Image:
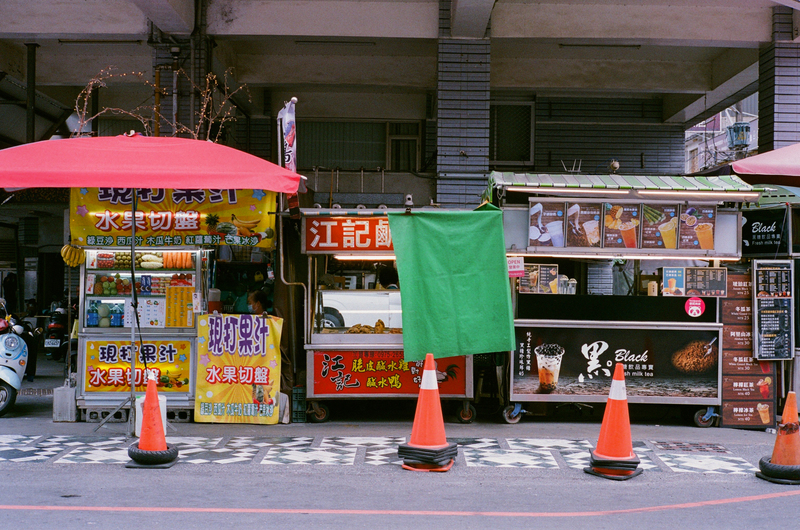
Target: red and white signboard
[516, 266]
[695, 307]
[325, 235]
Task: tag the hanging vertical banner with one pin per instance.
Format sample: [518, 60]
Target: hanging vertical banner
[238, 369]
[287, 149]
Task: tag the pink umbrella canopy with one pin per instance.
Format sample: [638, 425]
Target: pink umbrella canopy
[781, 166]
[139, 162]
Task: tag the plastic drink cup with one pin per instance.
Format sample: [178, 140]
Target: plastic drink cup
[705, 235]
[763, 411]
[671, 283]
[668, 233]
[554, 286]
[765, 367]
[764, 391]
[592, 229]
[548, 358]
[628, 232]
[556, 231]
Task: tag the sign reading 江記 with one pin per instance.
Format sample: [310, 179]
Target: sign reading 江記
[102, 217]
[238, 369]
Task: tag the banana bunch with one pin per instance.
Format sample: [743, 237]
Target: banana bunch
[73, 256]
[244, 227]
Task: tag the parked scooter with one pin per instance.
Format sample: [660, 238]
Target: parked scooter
[13, 359]
[56, 338]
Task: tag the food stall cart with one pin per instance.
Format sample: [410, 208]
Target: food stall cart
[175, 234]
[354, 341]
[592, 248]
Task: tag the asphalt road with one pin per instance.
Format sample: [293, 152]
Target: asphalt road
[52, 493]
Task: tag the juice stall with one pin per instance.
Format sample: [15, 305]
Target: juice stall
[354, 325]
[620, 269]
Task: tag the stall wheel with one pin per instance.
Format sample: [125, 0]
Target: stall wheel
[319, 413]
[513, 413]
[705, 417]
[467, 413]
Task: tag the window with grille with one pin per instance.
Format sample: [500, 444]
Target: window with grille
[511, 133]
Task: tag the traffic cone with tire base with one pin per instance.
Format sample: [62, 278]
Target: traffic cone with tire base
[613, 457]
[428, 450]
[784, 465]
[152, 450]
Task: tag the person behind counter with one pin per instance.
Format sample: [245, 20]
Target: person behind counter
[258, 302]
[388, 278]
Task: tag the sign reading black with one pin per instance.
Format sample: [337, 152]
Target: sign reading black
[765, 232]
[661, 365]
[772, 316]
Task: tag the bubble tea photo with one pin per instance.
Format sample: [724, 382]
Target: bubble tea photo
[548, 358]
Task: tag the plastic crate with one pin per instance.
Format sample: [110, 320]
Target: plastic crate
[299, 404]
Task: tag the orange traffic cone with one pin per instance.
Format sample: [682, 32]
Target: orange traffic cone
[152, 449]
[152, 437]
[428, 450]
[784, 466]
[613, 457]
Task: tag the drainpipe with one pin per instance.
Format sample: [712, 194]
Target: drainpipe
[30, 129]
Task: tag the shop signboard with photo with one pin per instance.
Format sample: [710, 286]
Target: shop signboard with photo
[621, 225]
[584, 224]
[660, 226]
[674, 278]
[102, 217]
[706, 281]
[562, 362]
[546, 226]
[773, 284]
[238, 369]
[697, 227]
[539, 279]
[351, 373]
[748, 385]
[108, 365]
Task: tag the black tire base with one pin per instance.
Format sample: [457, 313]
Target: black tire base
[789, 482]
[612, 477]
[152, 459]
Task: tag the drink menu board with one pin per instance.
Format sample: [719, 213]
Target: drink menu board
[546, 227]
[539, 279]
[772, 316]
[697, 226]
[748, 385]
[706, 281]
[621, 225]
[660, 226]
[673, 278]
[583, 224]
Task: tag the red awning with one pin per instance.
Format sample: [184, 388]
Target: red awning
[781, 166]
[139, 162]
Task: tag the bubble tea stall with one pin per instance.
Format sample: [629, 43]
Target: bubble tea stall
[618, 269]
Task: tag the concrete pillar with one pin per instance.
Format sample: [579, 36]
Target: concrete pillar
[779, 86]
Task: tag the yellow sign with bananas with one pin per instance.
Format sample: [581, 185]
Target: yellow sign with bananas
[103, 217]
[238, 369]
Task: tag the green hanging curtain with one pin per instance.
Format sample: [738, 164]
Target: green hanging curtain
[454, 282]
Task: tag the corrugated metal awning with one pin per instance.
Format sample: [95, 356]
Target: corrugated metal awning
[553, 182]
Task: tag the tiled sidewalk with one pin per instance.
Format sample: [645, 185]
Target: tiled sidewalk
[534, 453]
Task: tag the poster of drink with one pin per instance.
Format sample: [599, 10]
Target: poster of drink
[546, 228]
[548, 279]
[371, 373]
[621, 225]
[576, 364]
[529, 283]
[673, 278]
[238, 369]
[108, 365]
[697, 227]
[583, 224]
[660, 226]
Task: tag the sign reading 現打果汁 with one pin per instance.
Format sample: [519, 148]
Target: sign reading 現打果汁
[102, 217]
[238, 369]
[108, 365]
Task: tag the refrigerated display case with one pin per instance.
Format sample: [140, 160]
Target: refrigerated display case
[168, 285]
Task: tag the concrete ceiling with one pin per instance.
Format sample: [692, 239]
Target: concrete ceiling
[693, 54]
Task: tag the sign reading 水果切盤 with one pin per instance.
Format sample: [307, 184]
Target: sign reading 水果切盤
[102, 217]
[108, 365]
[238, 369]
